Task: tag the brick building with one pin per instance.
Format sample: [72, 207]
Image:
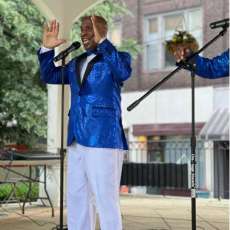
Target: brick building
[161, 12]
[166, 114]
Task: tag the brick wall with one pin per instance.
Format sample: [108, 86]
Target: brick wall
[133, 28]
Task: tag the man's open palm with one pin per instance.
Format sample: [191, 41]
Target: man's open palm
[50, 35]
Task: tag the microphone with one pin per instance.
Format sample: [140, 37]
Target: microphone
[64, 53]
[224, 23]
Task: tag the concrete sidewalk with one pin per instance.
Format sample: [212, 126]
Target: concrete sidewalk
[138, 213]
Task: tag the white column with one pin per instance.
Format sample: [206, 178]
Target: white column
[209, 167]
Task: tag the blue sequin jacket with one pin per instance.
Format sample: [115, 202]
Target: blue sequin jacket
[95, 112]
[213, 68]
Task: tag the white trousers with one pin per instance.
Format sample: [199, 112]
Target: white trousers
[93, 180]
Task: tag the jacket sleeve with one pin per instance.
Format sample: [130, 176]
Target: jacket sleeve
[216, 67]
[49, 72]
[120, 62]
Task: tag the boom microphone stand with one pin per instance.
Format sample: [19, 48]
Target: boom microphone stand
[187, 64]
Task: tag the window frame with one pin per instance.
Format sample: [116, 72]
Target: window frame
[161, 36]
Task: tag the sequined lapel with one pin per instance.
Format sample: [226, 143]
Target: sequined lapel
[89, 68]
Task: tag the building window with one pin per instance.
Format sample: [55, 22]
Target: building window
[159, 28]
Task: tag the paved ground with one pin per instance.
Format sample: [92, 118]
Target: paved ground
[139, 213]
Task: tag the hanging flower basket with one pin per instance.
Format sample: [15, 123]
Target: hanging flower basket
[182, 39]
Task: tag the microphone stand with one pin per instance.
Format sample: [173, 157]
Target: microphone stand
[188, 65]
[62, 151]
[193, 150]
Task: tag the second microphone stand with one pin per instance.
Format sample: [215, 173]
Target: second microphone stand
[188, 64]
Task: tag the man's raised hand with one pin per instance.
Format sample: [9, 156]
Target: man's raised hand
[99, 28]
[50, 35]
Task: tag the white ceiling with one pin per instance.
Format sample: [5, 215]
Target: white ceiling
[65, 11]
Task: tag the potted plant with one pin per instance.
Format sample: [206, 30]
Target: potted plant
[182, 39]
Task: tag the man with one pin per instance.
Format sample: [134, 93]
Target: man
[216, 67]
[96, 138]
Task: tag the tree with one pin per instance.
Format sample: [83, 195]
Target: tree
[23, 99]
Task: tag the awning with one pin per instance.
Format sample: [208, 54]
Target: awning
[217, 127]
[169, 129]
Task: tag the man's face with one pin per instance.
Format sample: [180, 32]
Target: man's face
[87, 35]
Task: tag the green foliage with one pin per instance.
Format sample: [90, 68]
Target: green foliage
[110, 10]
[131, 46]
[22, 97]
[21, 191]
